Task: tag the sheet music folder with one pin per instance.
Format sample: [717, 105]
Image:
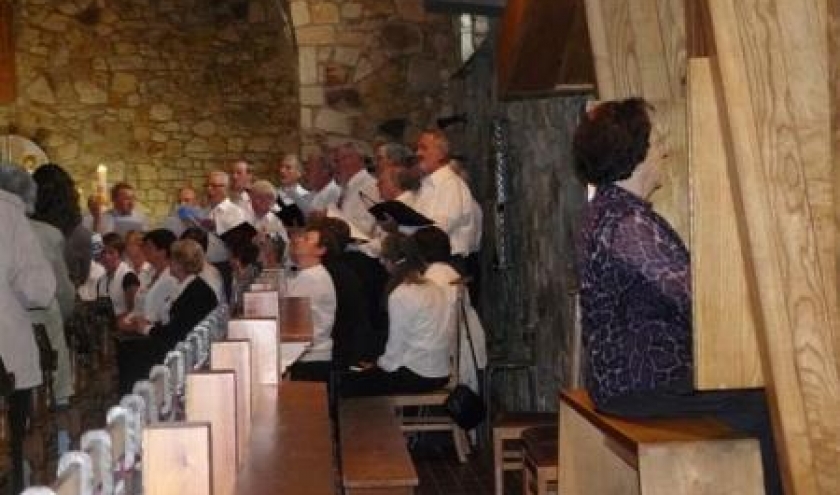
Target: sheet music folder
[400, 212]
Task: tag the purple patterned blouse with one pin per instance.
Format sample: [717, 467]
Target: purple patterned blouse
[635, 298]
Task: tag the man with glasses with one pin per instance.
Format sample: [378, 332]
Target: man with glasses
[222, 216]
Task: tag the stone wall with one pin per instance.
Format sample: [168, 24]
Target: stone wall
[528, 302]
[161, 91]
[366, 61]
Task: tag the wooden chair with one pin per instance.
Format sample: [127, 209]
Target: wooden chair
[374, 456]
[507, 445]
[431, 422]
[178, 459]
[694, 456]
[97, 445]
[539, 460]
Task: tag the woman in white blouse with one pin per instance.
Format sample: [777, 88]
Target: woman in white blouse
[416, 357]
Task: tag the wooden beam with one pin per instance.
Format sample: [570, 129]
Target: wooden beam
[834, 88]
[542, 45]
[8, 72]
[725, 348]
[772, 67]
[638, 48]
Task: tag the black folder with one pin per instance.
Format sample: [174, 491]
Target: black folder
[400, 212]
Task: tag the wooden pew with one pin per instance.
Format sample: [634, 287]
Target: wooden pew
[374, 455]
[295, 319]
[600, 454]
[262, 333]
[235, 355]
[260, 304]
[177, 459]
[291, 451]
[209, 399]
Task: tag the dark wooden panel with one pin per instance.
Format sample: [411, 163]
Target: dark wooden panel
[7, 54]
[543, 46]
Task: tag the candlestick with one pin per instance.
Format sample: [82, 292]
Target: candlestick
[102, 181]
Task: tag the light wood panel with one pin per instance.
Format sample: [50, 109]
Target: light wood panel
[235, 355]
[638, 49]
[701, 468]
[262, 334]
[834, 89]
[261, 304]
[772, 65]
[209, 398]
[725, 349]
[296, 319]
[176, 459]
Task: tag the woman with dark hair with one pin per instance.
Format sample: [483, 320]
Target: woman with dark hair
[57, 204]
[635, 294]
[416, 357]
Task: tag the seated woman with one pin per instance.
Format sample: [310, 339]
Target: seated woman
[416, 357]
[635, 294]
[120, 283]
[192, 300]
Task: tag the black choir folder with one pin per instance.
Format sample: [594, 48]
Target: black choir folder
[400, 212]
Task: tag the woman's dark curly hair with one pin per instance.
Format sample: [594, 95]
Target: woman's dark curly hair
[402, 251]
[611, 140]
[57, 202]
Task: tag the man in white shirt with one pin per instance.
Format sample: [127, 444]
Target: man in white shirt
[121, 218]
[444, 196]
[314, 281]
[241, 177]
[271, 233]
[358, 189]
[318, 176]
[223, 216]
[186, 198]
[292, 198]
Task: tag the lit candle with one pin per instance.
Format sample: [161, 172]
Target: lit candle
[102, 180]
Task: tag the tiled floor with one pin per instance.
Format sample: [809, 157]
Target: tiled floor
[440, 472]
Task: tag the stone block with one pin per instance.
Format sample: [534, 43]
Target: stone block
[205, 128]
[123, 83]
[90, 94]
[402, 38]
[333, 122]
[411, 10]
[311, 95]
[160, 112]
[260, 143]
[324, 13]
[300, 13]
[316, 35]
[351, 11]
[40, 90]
[336, 75]
[305, 118]
[196, 145]
[423, 75]
[345, 55]
[308, 65]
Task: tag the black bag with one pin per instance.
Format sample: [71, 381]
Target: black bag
[463, 405]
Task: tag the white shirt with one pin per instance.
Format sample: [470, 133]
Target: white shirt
[211, 275]
[443, 274]
[445, 198]
[354, 208]
[271, 224]
[243, 200]
[316, 284]
[418, 337]
[112, 286]
[154, 301]
[296, 194]
[87, 291]
[226, 216]
[320, 200]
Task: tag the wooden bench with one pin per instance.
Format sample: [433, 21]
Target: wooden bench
[177, 459]
[374, 456]
[211, 398]
[432, 422]
[602, 454]
[507, 444]
[235, 355]
[291, 450]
